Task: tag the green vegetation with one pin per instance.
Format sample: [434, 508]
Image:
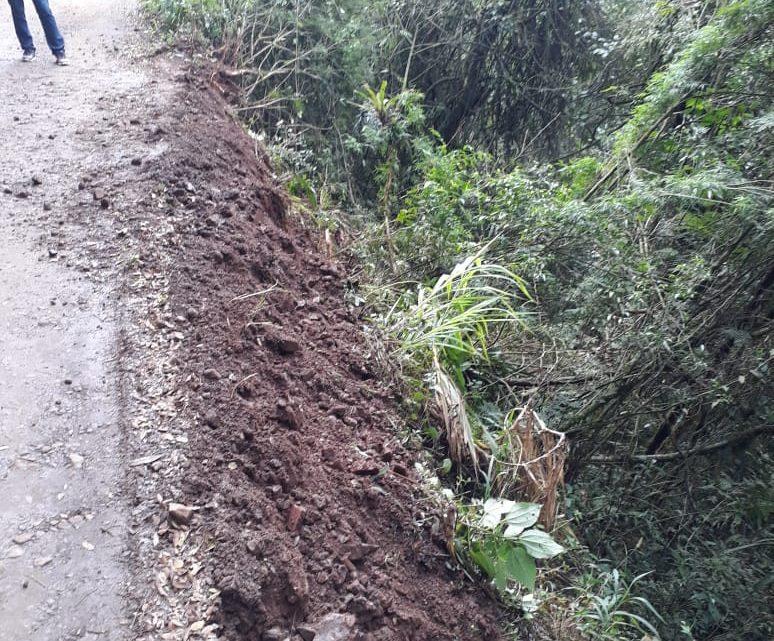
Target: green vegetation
[564, 212]
[502, 542]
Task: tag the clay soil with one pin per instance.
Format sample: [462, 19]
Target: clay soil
[311, 504]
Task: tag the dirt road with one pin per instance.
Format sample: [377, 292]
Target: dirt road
[63, 510]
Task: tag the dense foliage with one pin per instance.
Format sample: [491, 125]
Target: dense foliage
[596, 179]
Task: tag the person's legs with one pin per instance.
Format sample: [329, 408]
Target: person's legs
[21, 26]
[53, 36]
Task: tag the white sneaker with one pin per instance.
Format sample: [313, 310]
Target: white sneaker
[29, 56]
[62, 60]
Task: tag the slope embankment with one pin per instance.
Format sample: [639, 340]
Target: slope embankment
[312, 503]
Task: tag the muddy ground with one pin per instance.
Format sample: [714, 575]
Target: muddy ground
[192, 428]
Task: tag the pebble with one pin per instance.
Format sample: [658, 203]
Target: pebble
[274, 634]
[180, 514]
[307, 632]
[76, 460]
[21, 539]
[335, 627]
[339, 411]
[295, 514]
[211, 418]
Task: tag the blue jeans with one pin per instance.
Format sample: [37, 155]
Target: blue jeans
[53, 37]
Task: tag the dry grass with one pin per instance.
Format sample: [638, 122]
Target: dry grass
[450, 407]
[534, 467]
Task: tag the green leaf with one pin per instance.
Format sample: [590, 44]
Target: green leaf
[482, 559]
[502, 569]
[539, 544]
[519, 518]
[494, 510]
[521, 566]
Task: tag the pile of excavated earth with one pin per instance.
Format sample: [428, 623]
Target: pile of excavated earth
[311, 503]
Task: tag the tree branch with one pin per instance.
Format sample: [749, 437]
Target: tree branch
[672, 456]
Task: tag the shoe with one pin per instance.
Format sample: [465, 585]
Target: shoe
[29, 56]
[61, 59]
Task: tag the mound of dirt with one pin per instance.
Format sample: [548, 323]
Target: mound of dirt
[309, 498]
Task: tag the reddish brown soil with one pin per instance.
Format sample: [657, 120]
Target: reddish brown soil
[310, 499]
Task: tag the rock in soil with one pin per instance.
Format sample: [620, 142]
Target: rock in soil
[295, 514]
[306, 632]
[180, 514]
[274, 634]
[335, 627]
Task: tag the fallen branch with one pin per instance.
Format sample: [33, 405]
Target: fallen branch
[640, 141]
[563, 380]
[237, 73]
[672, 456]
